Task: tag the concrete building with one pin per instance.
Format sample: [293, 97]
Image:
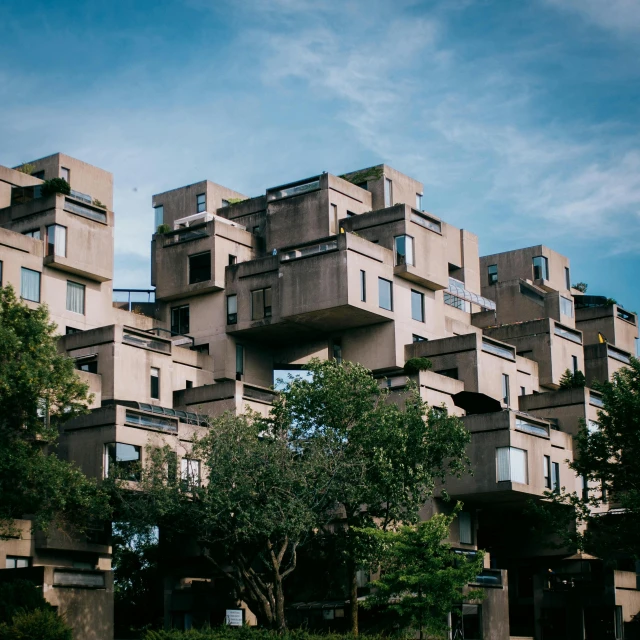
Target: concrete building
[348, 267]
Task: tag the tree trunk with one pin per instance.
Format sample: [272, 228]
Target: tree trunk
[280, 620]
[353, 596]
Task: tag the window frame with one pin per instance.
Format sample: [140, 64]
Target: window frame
[52, 247]
[154, 383]
[555, 477]
[408, 258]
[22, 273]
[232, 316]
[108, 462]
[567, 278]
[261, 310]
[419, 197]
[566, 304]
[80, 287]
[239, 361]
[543, 267]
[492, 275]
[546, 465]
[16, 560]
[465, 522]
[179, 311]
[506, 390]
[511, 466]
[192, 257]
[363, 285]
[380, 284]
[202, 203]
[388, 192]
[189, 479]
[420, 300]
[158, 216]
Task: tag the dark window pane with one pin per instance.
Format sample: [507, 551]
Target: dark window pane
[123, 461]
[200, 268]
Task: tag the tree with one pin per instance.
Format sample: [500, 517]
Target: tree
[581, 286]
[258, 500]
[422, 578]
[39, 390]
[609, 457]
[575, 380]
[380, 458]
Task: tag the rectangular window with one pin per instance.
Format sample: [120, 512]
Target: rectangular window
[511, 464]
[574, 363]
[201, 201]
[505, 389]
[584, 483]
[200, 267]
[17, 562]
[232, 309]
[69, 331]
[232, 259]
[540, 268]
[388, 192]
[333, 221]
[547, 471]
[75, 297]
[56, 240]
[189, 384]
[417, 306]
[0, 273]
[404, 250]
[555, 476]
[417, 338]
[566, 307]
[363, 286]
[464, 522]
[567, 278]
[154, 389]
[419, 201]
[180, 320]
[492, 272]
[190, 473]
[64, 174]
[30, 284]
[337, 350]
[122, 460]
[158, 216]
[90, 365]
[239, 361]
[385, 294]
[34, 233]
[261, 303]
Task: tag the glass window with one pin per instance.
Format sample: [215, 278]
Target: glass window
[75, 297]
[417, 306]
[547, 472]
[17, 562]
[574, 363]
[261, 303]
[466, 533]
[64, 174]
[333, 222]
[523, 391]
[90, 365]
[567, 277]
[200, 267]
[337, 350]
[34, 233]
[505, 389]
[201, 200]
[388, 192]
[56, 240]
[466, 622]
[122, 460]
[190, 473]
[239, 361]
[180, 320]
[417, 338]
[30, 284]
[555, 476]
[419, 201]
[492, 271]
[155, 383]
[232, 259]
[158, 214]
[404, 250]
[385, 294]
[566, 306]
[232, 309]
[363, 286]
[540, 268]
[511, 464]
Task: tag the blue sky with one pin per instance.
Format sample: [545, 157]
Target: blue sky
[521, 118]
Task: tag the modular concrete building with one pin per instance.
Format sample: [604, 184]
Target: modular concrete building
[348, 267]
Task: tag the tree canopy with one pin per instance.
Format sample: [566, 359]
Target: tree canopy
[39, 390]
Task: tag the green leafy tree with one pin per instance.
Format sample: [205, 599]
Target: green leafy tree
[40, 624]
[380, 456]
[607, 456]
[257, 503]
[575, 380]
[39, 390]
[55, 185]
[422, 578]
[581, 286]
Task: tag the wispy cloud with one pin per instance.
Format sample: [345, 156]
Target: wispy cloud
[621, 16]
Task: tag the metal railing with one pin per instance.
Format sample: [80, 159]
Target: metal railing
[127, 296]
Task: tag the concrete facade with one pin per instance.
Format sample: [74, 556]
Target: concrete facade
[348, 267]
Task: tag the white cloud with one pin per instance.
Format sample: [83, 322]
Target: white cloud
[621, 16]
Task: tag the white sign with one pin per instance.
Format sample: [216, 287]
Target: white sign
[234, 617]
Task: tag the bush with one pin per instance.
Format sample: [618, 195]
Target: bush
[55, 185]
[97, 203]
[18, 596]
[572, 380]
[248, 633]
[41, 624]
[414, 365]
[163, 228]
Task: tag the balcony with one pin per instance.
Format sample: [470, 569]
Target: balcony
[601, 361]
[312, 289]
[610, 322]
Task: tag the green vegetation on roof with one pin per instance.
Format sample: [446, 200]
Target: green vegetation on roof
[372, 173]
